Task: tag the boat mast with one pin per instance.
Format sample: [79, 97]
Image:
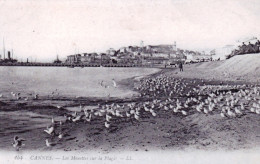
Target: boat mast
[4, 47]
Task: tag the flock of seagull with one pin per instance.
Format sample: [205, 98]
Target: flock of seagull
[18, 96]
[229, 100]
[33, 96]
[164, 93]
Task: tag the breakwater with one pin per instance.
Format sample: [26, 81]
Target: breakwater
[82, 65]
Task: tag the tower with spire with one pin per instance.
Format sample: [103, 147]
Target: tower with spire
[174, 47]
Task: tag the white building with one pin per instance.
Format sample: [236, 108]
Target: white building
[223, 52]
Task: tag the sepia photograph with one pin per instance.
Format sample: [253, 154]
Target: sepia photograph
[138, 81]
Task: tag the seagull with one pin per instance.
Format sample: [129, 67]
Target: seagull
[88, 118]
[101, 83]
[118, 114]
[237, 111]
[242, 106]
[252, 110]
[166, 108]
[68, 117]
[75, 114]
[146, 109]
[132, 111]
[211, 107]
[80, 107]
[59, 107]
[231, 114]
[18, 97]
[222, 114]
[136, 117]
[60, 136]
[50, 130]
[127, 114]
[171, 106]
[154, 114]
[13, 94]
[96, 113]
[52, 120]
[49, 144]
[184, 112]
[205, 111]
[77, 118]
[114, 83]
[36, 96]
[107, 124]
[175, 110]
[108, 117]
[18, 143]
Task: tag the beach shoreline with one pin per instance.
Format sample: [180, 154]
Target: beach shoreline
[165, 132]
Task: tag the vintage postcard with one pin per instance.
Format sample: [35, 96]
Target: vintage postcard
[138, 81]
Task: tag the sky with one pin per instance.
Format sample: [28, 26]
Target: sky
[39, 30]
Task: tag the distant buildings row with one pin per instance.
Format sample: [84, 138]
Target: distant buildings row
[159, 54]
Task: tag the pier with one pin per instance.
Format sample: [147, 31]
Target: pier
[80, 65]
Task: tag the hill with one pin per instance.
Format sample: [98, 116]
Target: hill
[241, 67]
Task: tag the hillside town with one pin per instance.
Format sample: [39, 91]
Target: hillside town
[163, 54]
[139, 55]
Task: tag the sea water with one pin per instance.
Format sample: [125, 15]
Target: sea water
[82, 82]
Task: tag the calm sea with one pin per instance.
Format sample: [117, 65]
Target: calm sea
[85, 82]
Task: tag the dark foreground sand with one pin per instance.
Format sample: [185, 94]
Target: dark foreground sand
[164, 132]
